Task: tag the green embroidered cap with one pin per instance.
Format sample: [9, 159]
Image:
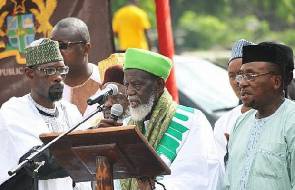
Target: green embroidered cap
[148, 61]
[42, 51]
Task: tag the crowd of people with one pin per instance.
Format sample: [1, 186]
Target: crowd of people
[251, 147]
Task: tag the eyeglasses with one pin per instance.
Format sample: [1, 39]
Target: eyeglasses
[250, 76]
[65, 45]
[49, 71]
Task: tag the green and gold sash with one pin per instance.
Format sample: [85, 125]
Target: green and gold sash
[166, 132]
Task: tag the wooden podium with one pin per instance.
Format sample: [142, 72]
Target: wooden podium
[104, 154]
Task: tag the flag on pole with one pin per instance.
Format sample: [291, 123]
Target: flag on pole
[165, 39]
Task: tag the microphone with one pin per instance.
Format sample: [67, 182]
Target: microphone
[116, 111]
[100, 97]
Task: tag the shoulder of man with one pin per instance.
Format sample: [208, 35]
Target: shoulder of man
[123, 10]
[95, 73]
[138, 11]
[69, 105]
[233, 114]
[290, 106]
[191, 116]
[15, 103]
[199, 129]
[241, 119]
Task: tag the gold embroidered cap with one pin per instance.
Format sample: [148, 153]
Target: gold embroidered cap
[113, 59]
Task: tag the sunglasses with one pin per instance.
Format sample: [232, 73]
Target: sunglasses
[65, 45]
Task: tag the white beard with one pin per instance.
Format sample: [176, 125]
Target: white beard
[141, 111]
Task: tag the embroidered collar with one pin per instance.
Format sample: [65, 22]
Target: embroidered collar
[55, 114]
[43, 110]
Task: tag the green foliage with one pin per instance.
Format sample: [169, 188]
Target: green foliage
[274, 21]
[288, 37]
[218, 24]
[201, 31]
[249, 27]
[206, 31]
[279, 13]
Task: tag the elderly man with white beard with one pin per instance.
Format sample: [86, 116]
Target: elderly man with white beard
[181, 136]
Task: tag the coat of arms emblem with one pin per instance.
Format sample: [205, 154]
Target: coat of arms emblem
[20, 22]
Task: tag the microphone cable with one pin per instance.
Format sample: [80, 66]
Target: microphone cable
[161, 184]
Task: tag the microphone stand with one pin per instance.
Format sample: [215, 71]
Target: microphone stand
[37, 152]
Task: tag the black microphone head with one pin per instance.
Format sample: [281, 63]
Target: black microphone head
[116, 111]
[90, 101]
[100, 97]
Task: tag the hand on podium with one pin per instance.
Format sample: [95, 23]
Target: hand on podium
[108, 123]
[113, 118]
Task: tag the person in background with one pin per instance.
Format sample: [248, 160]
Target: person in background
[262, 144]
[112, 60]
[181, 136]
[112, 70]
[83, 79]
[130, 26]
[291, 89]
[225, 123]
[24, 118]
[115, 75]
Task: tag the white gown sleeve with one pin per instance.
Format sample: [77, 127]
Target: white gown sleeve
[197, 166]
[8, 159]
[219, 137]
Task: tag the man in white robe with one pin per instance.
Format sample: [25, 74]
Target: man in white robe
[181, 136]
[261, 146]
[225, 123]
[23, 119]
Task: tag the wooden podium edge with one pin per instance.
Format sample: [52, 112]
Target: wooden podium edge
[110, 129]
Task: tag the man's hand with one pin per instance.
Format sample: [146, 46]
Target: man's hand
[108, 123]
[146, 183]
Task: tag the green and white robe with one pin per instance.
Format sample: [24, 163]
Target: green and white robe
[188, 148]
